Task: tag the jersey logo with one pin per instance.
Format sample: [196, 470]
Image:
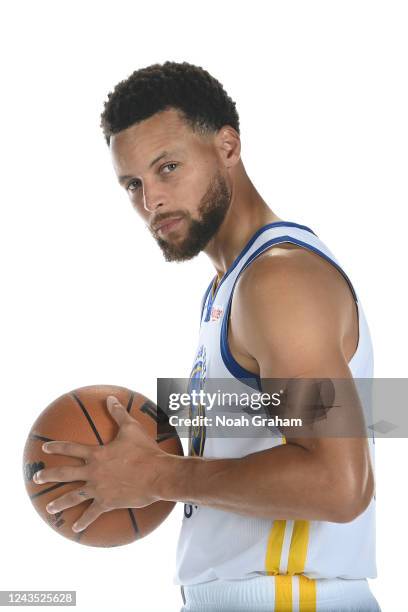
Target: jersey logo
[196, 382]
[197, 434]
[216, 313]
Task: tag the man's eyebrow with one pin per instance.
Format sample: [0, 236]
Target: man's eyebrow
[158, 158]
[126, 177]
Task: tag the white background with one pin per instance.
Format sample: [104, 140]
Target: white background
[321, 88]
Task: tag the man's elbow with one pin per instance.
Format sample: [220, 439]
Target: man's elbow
[352, 499]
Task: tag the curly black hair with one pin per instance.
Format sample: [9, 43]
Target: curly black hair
[202, 100]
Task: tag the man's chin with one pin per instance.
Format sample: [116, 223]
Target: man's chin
[172, 253]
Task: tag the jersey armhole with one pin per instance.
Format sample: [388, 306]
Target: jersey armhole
[251, 378]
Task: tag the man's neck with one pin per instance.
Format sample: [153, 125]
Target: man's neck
[247, 213]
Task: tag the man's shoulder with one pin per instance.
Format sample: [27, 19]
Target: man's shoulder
[292, 285]
[291, 309]
[292, 266]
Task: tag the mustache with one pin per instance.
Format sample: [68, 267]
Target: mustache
[163, 217]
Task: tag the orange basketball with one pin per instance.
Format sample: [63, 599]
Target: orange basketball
[82, 416]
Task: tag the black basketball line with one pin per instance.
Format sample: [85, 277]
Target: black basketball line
[48, 489]
[43, 438]
[130, 402]
[89, 419]
[133, 519]
[150, 409]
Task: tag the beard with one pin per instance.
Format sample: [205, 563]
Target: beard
[212, 210]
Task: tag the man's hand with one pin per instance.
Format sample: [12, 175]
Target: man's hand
[122, 474]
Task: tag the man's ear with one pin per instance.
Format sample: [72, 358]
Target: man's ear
[228, 145]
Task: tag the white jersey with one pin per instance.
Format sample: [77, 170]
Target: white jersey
[216, 544]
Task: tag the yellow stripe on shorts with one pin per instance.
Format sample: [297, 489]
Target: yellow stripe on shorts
[307, 594]
[298, 547]
[283, 593]
[274, 547]
[296, 566]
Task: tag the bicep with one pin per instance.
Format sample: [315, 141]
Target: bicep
[291, 319]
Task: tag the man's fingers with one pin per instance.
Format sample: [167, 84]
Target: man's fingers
[73, 498]
[118, 411]
[88, 517]
[72, 449]
[61, 474]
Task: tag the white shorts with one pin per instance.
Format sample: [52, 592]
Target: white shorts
[279, 594]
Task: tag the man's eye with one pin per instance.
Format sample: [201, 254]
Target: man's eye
[133, 185]
[170, 167]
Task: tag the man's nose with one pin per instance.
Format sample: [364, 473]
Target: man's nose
[153, 198]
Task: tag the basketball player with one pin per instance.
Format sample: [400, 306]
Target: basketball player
[278, 523]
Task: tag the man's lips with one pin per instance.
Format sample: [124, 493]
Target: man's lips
[166, 225]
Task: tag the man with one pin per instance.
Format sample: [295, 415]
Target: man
[270, 523]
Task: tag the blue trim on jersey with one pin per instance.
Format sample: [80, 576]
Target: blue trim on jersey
[249, 378]
[230, 363]
[244, 252]
[210, 301]
[207, 291]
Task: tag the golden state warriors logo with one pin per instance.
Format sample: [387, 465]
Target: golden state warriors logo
[196, 383]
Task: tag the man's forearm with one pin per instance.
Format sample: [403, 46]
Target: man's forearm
[284, 482]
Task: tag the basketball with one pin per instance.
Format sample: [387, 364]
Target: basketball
[82, 416]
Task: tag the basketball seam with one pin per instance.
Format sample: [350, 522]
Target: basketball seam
[89, 419]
